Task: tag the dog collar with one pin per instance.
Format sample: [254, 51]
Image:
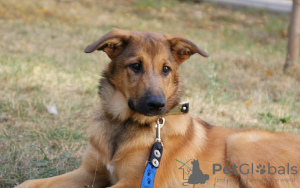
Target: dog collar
[181, 108]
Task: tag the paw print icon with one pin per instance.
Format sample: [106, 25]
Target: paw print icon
[261, 169]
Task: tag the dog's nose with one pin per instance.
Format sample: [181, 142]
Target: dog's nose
[156, 104]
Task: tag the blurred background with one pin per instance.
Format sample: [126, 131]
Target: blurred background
[48, 86]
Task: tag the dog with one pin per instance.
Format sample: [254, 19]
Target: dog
[142, 84]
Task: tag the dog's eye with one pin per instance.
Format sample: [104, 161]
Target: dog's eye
[166, 69]
[136, 67]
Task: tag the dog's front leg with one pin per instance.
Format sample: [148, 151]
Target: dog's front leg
[92, 173]
[75, 179]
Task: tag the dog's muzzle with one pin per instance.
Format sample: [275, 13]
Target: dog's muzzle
[149, 105]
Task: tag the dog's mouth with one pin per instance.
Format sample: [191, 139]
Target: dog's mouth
[149, 106]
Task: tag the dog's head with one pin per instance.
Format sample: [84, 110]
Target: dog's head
[144, 69]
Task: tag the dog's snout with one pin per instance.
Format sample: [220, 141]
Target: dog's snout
[149, 105]
[156, 104]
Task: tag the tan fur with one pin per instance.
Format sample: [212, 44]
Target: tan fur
[121, 139]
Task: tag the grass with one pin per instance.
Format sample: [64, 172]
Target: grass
[42, 62]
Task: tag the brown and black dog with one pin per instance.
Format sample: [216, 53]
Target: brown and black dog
[141, 84]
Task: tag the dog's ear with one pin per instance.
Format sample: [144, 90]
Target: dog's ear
[182, 48]
[112, 43]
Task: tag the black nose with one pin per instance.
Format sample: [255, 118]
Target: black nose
[156, 104]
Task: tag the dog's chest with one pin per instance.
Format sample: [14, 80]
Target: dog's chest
[111, 169]
[118, 136]
[129, 156]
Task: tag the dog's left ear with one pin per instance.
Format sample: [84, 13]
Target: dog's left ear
[112, 43]
[183, 48]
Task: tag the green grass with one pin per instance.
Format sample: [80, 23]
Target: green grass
[241, 84]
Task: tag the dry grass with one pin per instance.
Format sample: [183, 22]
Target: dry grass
[42, 62]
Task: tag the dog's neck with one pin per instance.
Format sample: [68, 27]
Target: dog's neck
[120, 124]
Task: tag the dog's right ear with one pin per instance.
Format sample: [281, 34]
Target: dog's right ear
[112, 43]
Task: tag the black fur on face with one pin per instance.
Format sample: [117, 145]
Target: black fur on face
[149, 104]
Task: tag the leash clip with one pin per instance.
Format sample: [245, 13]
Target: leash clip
[160, 123]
